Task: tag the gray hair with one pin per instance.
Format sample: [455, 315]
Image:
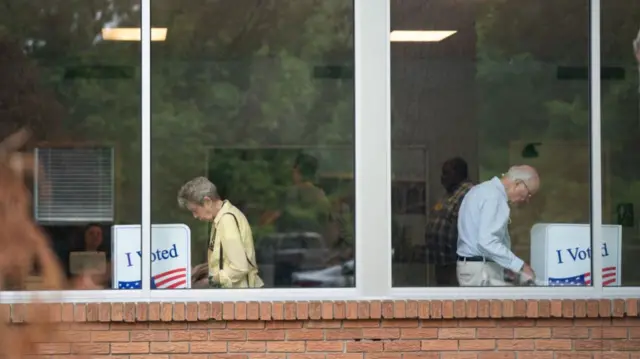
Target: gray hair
[522, 173]
[196, 190]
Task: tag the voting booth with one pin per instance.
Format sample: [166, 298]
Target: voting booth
[170, 256]
[561, 254]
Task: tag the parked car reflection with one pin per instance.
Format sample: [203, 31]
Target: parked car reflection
[342, 275]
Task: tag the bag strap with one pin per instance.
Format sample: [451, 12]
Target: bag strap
[220, 261]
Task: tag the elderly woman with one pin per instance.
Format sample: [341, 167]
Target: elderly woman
[231, 257]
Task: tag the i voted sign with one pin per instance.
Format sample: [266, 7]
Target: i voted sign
[170, 256]
[561, 254]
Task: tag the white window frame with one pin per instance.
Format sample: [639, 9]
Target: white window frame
[373, 191]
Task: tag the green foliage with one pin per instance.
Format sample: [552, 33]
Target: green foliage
[227, 76]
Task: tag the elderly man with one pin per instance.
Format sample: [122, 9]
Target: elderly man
[231, 256]
[484, 246]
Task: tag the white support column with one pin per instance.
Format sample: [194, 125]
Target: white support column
[373, 148]
[146, 146]
[596, 146]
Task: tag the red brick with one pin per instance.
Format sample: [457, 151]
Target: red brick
[208, 347]
[412, 309]
[484, 309]
[532, 333]
[286, 347]
[343, 334]
[364, 346]
[265, 335]
[557, 329]
[456, 333]
[517, 344]
[240, 311]
[495, 309]
[340, 310]
[624, 345]
[92, 348]
[371, 310]
[387, 309]
[494, 333]
[439, 345]
[204, 311]
[535, 355]
[302, 310]
[402, 345]
[327, 310]
[631, 307]
[419, 333]
[520, 308]
[179, 311]
[315, 310]
[553, 344]
[344, 356]
[591, 345]
[508, 308]
[352, 310]
[435, 309]
[400, 323]
[253, 311]
[305, 334]
[496, 355]
[477, 344]
[611, 333]
[169, 347]
[322, 346]
[149, 335]
[226, 335]
[423, 310]
[110, 336]
[386, 333]
[277, 310]
[246, 347]
[570, 333]
[556, 308]
[447, 309]
[459, 309]
[460, 355]
[129, 348]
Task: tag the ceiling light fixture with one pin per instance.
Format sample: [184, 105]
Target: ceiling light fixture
[132, 34]
[419, 36]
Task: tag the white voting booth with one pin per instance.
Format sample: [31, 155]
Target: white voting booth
[561, 254]
[170, 256]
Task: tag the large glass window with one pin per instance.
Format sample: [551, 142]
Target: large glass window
[477, 88]
[70, 77]
[621, 135]
[253, 123]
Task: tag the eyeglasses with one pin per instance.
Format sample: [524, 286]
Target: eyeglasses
[529, 195]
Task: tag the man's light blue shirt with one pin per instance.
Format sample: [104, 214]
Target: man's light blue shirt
[483, 225]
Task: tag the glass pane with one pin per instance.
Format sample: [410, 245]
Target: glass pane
[480, 87]
[253, 123]
[620, 139]
[69, 81]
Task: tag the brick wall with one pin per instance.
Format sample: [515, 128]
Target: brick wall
[346, 330]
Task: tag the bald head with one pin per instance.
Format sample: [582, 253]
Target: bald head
[521, 182]
[526, 174]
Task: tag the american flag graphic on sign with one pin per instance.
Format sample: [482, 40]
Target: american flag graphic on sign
[171, 279]
[608, 278]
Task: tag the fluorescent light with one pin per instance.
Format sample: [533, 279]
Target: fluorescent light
[132, 34]
[420, 36]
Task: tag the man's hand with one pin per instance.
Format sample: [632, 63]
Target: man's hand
[527, 273]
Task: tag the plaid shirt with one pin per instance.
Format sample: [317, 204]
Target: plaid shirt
[442, 227]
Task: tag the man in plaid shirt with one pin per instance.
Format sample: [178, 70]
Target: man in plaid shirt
[442, 223]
